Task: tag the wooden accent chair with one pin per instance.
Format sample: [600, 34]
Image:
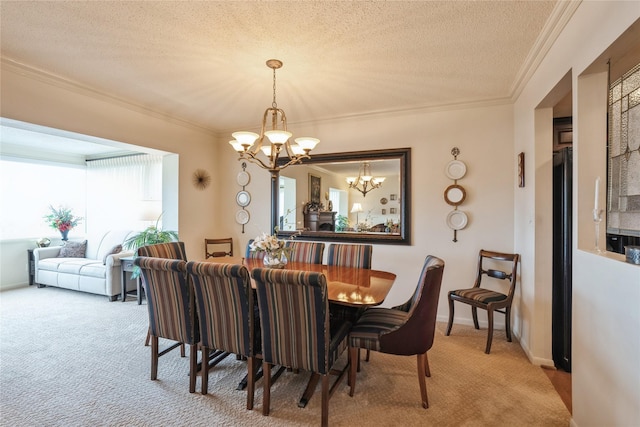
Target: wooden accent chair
[350, 255]
[170, 250]
[403, 333]
[216, 243]
[486, 299]
[296, 331]
[307, 252]
[170, 302]
[226, 315]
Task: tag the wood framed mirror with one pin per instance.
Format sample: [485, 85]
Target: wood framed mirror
[344, 213]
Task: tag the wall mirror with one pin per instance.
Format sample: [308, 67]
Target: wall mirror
[337, 197]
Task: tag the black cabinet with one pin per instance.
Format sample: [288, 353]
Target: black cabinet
[32, 267]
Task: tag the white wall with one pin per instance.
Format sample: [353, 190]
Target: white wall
[605, 342]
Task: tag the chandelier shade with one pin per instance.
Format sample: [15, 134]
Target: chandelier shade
[250, 145]
[365, 181]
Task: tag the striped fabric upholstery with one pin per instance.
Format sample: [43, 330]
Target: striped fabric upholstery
[307, 252]
[249, 254]
[295, 322]
[169, 299]
[171, 250]
[373, 323]
[484, 296]
[224, 302]
[350, 255]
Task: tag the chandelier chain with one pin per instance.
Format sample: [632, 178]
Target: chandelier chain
[274, 104]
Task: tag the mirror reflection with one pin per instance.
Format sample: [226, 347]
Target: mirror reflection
[357, 196]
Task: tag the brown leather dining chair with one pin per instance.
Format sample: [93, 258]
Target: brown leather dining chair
[211, 244]
[402, 333]
[494, 267]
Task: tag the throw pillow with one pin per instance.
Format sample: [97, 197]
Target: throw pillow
[73, 250]
[114, 250]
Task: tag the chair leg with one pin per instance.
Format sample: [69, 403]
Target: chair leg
[353, 354]
[474, 314]
[204, 373]
[421, 380]
[325, 400]
[182, 352]
[368, 354]
[154, 357]
[358, 361]
[508, 322]
[193, 367]
[251, 381]
[426, 365]
[490, 332]
[266, 394]
[450, 324]
[146, 341]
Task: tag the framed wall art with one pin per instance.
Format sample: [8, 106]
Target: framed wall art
[314, 188]
[521, 170]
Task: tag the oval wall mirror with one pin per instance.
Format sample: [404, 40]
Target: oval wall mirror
[454, 195]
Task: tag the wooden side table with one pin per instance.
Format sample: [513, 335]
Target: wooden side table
[127, 266]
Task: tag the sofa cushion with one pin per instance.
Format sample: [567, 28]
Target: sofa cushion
[114, 250]
[73, 250]
[78, 266]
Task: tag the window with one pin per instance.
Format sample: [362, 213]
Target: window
[26, 191]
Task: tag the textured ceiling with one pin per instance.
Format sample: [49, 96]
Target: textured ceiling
[204, 62]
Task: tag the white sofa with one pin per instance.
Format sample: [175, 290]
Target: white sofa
[98, 272]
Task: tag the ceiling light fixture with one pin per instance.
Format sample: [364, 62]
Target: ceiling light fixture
[365, 180]
[278, 139]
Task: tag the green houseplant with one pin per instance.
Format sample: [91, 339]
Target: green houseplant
[149, 236]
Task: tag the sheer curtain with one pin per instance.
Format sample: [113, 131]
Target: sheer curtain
[124, 192]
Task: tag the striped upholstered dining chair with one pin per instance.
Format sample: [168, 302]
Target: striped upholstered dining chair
[296, 331]
[307, 252]
[402, 333]
[226, 315]
[169, 250]
[249, 254]
[170, 302]
[345, 255]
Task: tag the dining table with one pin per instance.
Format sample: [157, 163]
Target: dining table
[348, 286]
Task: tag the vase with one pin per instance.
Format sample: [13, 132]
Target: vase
[64, 234]
[274, 260]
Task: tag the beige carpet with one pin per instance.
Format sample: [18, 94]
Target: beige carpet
[74, 359]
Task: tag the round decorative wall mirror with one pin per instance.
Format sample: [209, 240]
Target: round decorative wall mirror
[454, 195]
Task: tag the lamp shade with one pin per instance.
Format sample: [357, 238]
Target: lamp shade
[245, 139]
[278, 137]
[357, 207]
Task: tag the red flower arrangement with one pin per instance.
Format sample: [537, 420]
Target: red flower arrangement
[62, 219]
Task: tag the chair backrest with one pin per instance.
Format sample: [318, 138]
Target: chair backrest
[499, 266]
[171, 250]
[216, 243]
[416, 335]
[169, 299]
[307, 252]
[350, 255]
[408, 305]
[294, 318]
[224, 303]
[249, 254]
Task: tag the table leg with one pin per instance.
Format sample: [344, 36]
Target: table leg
[124, 286]
[308, 392]
[139, 290]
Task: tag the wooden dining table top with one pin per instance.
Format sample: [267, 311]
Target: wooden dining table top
[345, 285]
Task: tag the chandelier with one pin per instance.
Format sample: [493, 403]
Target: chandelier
[365, 181]
[277, 142]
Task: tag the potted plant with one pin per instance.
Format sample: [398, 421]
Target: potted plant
[149, 236]
[62, 219]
